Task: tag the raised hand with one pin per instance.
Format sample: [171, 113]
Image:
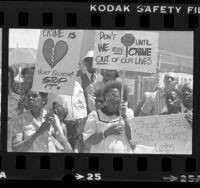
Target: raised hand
[45, 127]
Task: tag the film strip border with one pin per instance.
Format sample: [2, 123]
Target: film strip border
[100, 167]
[95, 167]
[85, 15]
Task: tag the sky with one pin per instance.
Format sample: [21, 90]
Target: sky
[172, 41]
[24, 38]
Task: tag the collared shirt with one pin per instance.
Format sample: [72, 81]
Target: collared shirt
[97, 77]
[155, 104]
[75, 105]
[25, 126]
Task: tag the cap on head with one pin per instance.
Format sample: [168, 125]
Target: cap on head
[89, 54]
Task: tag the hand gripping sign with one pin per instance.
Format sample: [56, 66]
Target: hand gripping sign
[163, 134]
[126, 50]
[57, 59]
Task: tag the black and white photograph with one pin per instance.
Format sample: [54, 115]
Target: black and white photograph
[100, 91]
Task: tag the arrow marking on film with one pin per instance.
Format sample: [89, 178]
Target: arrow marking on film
[79, 176]
[171, 178]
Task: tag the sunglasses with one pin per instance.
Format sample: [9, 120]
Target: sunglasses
[112, 96]
[35, 95]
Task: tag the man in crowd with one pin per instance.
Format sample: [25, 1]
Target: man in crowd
[89, 77]
[155, 104]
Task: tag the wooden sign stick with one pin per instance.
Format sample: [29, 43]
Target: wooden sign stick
[122, 93]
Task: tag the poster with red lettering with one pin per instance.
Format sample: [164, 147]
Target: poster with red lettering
[57, 61]
[126, 50]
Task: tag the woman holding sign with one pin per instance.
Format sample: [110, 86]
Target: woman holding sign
[105, 131]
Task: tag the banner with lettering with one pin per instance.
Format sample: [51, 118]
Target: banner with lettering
[164, 134]
[126, 50]
[57, 61]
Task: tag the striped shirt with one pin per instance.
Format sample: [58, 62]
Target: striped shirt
[155, 104]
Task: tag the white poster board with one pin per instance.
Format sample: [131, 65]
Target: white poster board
[163, 134]
[126, 50]
[57, 61]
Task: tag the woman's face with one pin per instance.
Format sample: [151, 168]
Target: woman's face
[173, 101]
[35, 100]
[108, 74]
[112, 98]
[89, 65]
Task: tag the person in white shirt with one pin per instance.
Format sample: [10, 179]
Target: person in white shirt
[76, 111]
[107, 130]
[35, 130]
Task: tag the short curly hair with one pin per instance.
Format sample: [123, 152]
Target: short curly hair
[188, 84]
[178, 92]
[116, 74]
[115, 84]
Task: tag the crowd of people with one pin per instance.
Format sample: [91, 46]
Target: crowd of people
[95, 119]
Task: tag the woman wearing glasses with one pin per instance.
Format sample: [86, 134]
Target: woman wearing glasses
[37, 131]
[105, 130]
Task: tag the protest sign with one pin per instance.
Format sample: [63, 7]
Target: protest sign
[164, 134]
[126, 50]
[57, 61]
